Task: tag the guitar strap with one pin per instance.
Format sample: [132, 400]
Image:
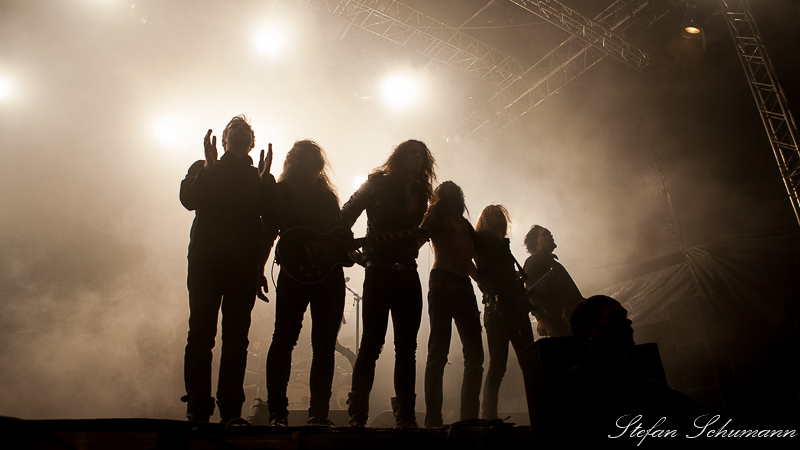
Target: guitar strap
[522, 275]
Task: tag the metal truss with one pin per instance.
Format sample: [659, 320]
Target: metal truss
[770, 100]
[590, 31]
[520, 90]
[562, 65]
[408, 27]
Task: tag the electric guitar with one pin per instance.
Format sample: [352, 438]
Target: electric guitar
[308, 256]
[555, 315]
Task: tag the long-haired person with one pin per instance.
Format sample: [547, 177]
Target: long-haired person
[451, 298]
[229, 198]
[395, 197]
[504, 315]
[304, 197]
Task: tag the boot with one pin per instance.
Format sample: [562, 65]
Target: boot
[198, 409]
[404, 414]
[318, 412]
[319, 420]
[259, 413]
[358, 409]
[229, 411]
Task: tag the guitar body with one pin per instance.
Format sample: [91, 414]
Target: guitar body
[547, 308]
[309, 256]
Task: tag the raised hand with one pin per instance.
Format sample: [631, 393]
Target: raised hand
[263, 288]
[210, 147]
[264, 165]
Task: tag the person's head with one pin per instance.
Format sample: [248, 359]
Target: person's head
[306, 162]
[602, 325]
[238, 136]
[449, 199]
[539, 239]
[412, 157]
[494, 219]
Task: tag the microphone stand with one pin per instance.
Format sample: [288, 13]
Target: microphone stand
[357, 303]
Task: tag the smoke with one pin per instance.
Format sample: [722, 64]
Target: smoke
[93, 238]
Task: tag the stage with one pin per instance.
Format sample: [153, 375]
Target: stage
[139, 434]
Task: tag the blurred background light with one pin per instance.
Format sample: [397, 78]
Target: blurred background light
[401, 91]
[172, 131]
[6, 88]
[270, 40]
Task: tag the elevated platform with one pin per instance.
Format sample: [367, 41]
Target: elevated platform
[141, 434]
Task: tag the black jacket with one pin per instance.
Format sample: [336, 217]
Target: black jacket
[497, 272]
[229, 204]
[384, 199]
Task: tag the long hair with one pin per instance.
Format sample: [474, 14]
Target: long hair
[238, 121]
[494, 218]
[426, 175]
[448, 201]
[307, 158]
[532, 237]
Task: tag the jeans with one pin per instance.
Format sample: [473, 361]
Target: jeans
[451, 298]
[231, 287]
[513, 327]
[399, 293]
[327, 306]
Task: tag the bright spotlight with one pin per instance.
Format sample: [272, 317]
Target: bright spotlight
[169, 130]
[691, 30]
[5, 89]
[401, 91]
[270, 40]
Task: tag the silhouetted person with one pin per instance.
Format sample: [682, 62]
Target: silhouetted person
[505, 316]
[609, 386]
[395, 197]
[229, 200]
[551, 290]
[451, 298]
[304, 197]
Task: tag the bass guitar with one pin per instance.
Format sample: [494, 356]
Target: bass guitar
[308, 256]
[555, 315]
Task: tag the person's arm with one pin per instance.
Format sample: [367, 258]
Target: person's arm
[473, 271]
[535, 268]
[264, 165]
[357, 204]
[428, 223]
[267, 241]
[269, 223]
[194, 186]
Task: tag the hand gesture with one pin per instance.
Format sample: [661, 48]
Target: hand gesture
[210, 147]
[263, 289]
[264, 165]
[542, 329]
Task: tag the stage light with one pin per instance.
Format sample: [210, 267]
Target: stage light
[401, 91]
[691, 30]
[270, 40]
[6, 89]
[691, 27]
[170, 131]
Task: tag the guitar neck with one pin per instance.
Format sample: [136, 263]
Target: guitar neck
[355, 244]
[542, 280]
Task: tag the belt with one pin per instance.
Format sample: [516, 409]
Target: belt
[393, 266]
